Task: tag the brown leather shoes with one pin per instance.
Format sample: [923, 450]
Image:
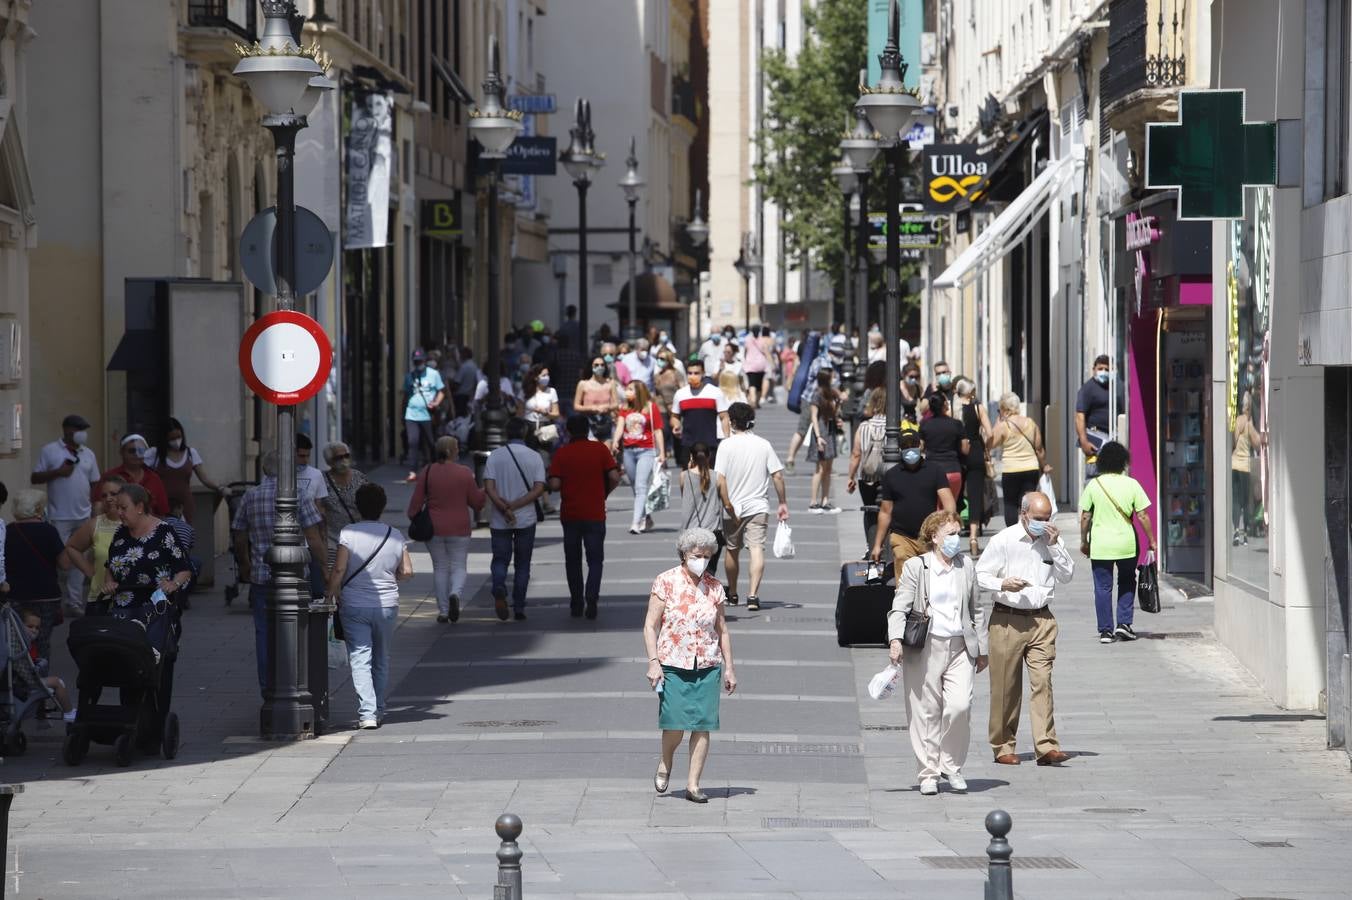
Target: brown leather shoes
[1007, 759]
[1053, 758]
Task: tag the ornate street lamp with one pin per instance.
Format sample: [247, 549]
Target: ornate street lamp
[848, 182]
[891, 107]
[697, 230]
[287, 80]
[581, 161]
[495, 128]
[747, 264]
[859, 147]
[632, 184]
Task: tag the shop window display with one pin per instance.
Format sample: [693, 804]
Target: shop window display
[1248, 289]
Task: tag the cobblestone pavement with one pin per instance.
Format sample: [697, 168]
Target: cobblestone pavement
[1186, 781]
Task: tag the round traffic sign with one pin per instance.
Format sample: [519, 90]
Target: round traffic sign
[258, 251]
[285, 357]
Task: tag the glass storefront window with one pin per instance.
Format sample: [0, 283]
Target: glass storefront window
[1248, 301]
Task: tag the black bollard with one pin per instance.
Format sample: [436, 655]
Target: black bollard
[999, 874]
[508, 887]
[7, 792]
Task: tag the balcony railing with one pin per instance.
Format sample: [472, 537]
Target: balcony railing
[1148, 44]
[239, 16]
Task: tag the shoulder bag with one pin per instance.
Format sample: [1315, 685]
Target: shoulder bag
[539, 509]
[333, 489]
[420, 525]
[337, 619]
[918, 617]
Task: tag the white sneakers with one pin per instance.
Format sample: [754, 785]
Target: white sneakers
[957, 783]
[368, 723]
[929, 787]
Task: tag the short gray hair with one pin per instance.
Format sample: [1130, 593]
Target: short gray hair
[269, 463]
[696, 539]
[1023, 502]
[641, 344]
[1009, 402]
[331, 450]
[447, 447]
[29, 504]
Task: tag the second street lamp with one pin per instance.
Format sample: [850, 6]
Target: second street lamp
[860, 147]
[697, 230]
[495, 128]
[848, 183]
[890, 107]
[747, 264]
[581, 161]
[632, 184]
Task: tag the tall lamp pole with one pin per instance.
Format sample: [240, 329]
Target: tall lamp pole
[860, 147]
[495, 128]
[890, 108]
[581, 160]
[848, 182]
[747, 264]
[287, 79]
[698, 232]
[632, 185]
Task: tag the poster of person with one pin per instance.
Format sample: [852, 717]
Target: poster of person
[369, 145]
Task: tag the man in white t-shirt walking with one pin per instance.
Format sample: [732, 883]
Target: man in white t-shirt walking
[514, 478]
[69, 470]
[746, 467]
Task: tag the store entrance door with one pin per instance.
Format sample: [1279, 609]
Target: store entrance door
[1184, 461]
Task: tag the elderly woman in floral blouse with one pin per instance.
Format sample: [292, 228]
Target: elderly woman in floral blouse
[689, 656]
[146, 568]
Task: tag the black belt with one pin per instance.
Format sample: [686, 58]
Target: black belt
[1000, 607]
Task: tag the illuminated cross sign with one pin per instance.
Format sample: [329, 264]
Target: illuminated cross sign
[1211, 155]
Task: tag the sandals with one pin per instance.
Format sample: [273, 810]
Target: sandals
[733, 599]
[976, 548]
[661, 780]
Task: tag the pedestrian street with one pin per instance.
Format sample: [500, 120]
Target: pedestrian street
[1184, 781]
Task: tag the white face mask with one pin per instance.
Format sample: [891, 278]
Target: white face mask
[80, 437]
[543, 381]
[697, 565]
[176, 444]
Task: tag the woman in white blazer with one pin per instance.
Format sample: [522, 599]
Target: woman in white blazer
[940, 675]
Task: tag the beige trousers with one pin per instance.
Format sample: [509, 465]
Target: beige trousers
[1016, 641]
[939, 681]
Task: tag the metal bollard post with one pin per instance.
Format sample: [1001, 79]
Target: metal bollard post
[508, 887]
[999, 873]
[7, 792]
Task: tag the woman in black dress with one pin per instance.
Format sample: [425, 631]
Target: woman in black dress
[946, 444]
[147, 567]
[977, 428]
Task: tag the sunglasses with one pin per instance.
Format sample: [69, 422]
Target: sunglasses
[340, 456]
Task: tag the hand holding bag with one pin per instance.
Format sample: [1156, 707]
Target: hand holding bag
[1148, 585]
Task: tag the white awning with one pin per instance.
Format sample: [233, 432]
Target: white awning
[1010, 227]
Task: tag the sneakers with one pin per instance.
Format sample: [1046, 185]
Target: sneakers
[929, 787]
[454, 615]
[519, 616]
[442, 620]
[752, 602]
[1124, 632]
[1105, 637]
[957, 782]
[591, 609]
[500, 605]
[368, 724]
[575, 610]
[829, 509]
[69, 716]
[816, 509]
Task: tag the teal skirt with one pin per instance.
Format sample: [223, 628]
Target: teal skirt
[689, 699]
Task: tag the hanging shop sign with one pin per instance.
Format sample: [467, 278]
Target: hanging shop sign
[1210, 155]
[952, 172]
[528, 155]
[919, 231]
[441, 218]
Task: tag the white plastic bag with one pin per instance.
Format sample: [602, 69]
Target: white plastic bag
[784, 541]
[337, 651]
[1044, 484]
[881, 686]
[659, 492]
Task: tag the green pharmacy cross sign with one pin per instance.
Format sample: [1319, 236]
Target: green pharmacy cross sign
[1211, 155]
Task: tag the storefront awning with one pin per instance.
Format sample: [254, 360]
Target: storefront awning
[1012, 225]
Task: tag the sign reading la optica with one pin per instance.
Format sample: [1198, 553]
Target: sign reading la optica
[952, 172]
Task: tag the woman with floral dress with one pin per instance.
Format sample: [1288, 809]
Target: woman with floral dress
[146, 567]
[689, 656]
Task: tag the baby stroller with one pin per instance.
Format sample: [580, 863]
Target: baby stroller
[117, 653]
[25, 689]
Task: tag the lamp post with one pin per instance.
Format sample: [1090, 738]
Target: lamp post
[890, 108]
[581, 161]
[632, 184]
[287, 79]
[747, 264]
[860, 147]
[698, 232]
[494, 127]
[848, 182]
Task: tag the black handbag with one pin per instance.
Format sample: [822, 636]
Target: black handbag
[1148, 587]
[918, 621]
[420, 526]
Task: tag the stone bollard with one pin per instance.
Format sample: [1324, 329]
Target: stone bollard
[999, 873]
[7, 792]
[508, 887]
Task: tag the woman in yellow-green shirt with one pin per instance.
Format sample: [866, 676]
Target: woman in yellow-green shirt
[87, 549]
[1109, 508]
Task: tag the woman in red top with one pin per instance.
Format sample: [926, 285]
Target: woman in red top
[640, 436]
[450, 492]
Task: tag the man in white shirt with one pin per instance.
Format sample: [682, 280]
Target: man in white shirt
[514, 478]
[640, 363]
[1022, 566]
[746, 466]
[311, 485]
[711, 352]
[69, 470]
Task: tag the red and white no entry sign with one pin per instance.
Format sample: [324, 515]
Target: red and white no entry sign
[285, 357]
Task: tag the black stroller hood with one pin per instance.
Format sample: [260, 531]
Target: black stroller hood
[113, 652]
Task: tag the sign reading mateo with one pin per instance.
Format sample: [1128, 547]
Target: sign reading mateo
[952, 172]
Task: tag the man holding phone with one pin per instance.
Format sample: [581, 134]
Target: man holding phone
[1022, 566]
[69, 470]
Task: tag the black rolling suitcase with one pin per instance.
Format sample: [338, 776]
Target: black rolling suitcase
[863, 602]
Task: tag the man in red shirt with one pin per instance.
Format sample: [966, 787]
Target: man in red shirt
[133, 471]
[584, 472]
